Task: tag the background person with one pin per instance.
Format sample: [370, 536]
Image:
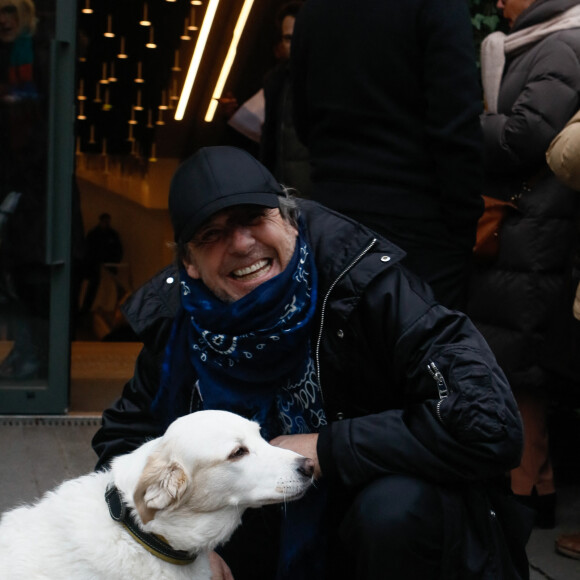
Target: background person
[102, 246]
[387, 100]
[280, 149]
[292, 315]
[521, 302]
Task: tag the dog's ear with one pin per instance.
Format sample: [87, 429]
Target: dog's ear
[161, 485]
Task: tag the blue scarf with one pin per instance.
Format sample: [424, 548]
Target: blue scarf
[252, 357]
[255, 360]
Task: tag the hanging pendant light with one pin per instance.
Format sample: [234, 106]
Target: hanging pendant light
[104, 79]
[81, 96]
[139, 78]
[151, 43]
[81, 114]
[87, 9]
[138, 106]
[109, 32]
[185, 35]
[122, 54]
[176, 67]
[106, 105]
[112, 77]
[97, 98]
[192, 25]
[145, 20]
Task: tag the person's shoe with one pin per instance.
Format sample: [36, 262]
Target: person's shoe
[569, 545]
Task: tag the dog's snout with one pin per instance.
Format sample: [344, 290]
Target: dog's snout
[306, 467]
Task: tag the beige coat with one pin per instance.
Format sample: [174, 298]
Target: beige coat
[563, 155]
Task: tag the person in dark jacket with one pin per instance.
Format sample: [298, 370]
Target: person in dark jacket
[521, 302]
[102, 246]
[387, 100]
[280, 149]
[299, 318]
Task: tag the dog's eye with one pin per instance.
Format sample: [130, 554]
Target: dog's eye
[239, 452]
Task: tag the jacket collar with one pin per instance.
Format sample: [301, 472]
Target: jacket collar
[156, 545]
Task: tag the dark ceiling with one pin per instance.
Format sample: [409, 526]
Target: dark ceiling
[110, 106]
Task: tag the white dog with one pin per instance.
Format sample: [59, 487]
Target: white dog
[168, 504]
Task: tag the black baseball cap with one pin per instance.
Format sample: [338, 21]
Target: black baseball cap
[213, 179]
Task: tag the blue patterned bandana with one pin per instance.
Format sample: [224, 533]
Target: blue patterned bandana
[252, 356]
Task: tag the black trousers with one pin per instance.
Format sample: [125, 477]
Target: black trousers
[393, 528]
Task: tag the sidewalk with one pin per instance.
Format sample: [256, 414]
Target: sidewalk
[39, 453]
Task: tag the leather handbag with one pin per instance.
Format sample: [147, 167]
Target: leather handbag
[489, 225]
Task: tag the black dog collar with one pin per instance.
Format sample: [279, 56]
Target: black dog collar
[154, 544]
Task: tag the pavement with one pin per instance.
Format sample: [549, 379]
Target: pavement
[40, 452]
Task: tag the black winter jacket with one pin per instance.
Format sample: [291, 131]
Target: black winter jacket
[522, 302]
[377, 331]
[387, 99]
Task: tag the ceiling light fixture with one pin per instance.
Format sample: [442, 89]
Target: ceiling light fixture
[196, 58]
[81, 96]
[106, 105]
[176, 67]
[145, 21]
[185, 35]
[81, 116]
[192, 26]
[122, 53]
[138, 106]
[87, 9]
[151, 43]
[112, 77]
[152, 155]
[229, 60]
[139, 78]
[104, 80]
[163, 106]
[109, 33]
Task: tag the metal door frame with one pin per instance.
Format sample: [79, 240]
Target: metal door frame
[53, 397]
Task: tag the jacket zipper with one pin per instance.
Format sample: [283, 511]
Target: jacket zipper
[441, 386]
[323, 310]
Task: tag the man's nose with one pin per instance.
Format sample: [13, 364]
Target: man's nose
[241, 239]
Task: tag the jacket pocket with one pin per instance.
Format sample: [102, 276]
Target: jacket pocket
[470, 403]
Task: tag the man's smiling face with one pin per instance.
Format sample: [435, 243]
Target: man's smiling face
[239, 248]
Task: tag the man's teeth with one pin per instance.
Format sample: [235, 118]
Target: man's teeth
[250, 269]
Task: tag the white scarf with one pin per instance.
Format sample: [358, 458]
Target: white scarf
[496, 45]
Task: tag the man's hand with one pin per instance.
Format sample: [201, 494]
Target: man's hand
[219, 569]
[304, 444]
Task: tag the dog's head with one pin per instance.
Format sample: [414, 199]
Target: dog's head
[211, 460]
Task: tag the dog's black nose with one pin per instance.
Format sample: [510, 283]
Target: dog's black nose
[306, 467]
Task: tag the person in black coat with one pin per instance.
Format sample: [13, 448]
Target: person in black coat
[521, 301]
[102, 246]
[299, 318]
[387, 100]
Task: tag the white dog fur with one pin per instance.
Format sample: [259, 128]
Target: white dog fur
[190, 486]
